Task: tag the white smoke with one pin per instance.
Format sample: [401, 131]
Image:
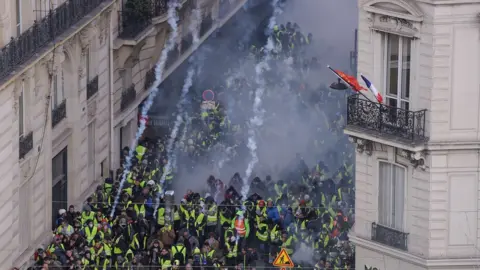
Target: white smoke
[257, 120]
[159, 69]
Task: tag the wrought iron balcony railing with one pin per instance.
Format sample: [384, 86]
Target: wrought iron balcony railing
[59, 113]
[150, 78]
[128, 97]
[92, 87]
[206, 24]
[137, 15]
[19, 50]
[386, 120]
[389, 237]
[25, 144]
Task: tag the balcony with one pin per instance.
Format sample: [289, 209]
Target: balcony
[25, 144]
[92, 87]
[150, 78]
[19, 50]
[128, 97]
[59, 113]
[389, 237]
[391, 123]
[137, 16]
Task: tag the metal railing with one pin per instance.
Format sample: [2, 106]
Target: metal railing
[390, 237]
[59, 113]
[19, 50]
[92, 87]
[128, 97]
[384, 119]
[137, 15]
[25, 144]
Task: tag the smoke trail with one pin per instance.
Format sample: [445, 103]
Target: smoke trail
[171, 155]
[159, 69]
[173, 135]
[181, 142]
[257, 119]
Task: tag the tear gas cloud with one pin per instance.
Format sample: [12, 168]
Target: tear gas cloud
[289, 126]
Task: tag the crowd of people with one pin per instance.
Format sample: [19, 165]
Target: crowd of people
[305, 210]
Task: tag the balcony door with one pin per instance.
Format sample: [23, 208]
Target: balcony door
[59, 184]
[397, 55]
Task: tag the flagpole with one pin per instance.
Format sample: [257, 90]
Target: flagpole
[331, 69]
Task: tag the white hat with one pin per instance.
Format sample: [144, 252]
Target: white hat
[151, 183]
[62, 211]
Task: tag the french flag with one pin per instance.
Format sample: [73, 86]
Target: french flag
[372, 88]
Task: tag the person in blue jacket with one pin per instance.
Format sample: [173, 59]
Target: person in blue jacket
[272, 212]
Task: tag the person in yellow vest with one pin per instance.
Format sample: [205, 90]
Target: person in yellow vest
[89, 232]
[212, 215]
[179, 251]
[140, 150]
[87, 214]
[231, 252]
[287, 243]
[139, 242]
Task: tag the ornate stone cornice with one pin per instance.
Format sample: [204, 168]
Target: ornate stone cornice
[362, 145]
[417, 159]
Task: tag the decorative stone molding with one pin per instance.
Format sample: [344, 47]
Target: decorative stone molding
[362, 145]
[81, 72]
[399, 17]
[417, 159]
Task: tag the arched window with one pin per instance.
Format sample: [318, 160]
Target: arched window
[391, 195]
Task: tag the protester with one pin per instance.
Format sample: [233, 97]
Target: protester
[308, 210]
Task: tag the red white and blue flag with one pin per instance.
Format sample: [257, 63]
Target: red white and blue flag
[373, 89]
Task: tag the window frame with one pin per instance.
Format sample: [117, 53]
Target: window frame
[398, 227]
[385, 40]
[58, 93]
[18, 24]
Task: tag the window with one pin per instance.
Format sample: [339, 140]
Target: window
[391, 196]
[42, 8]
[397, 54]
[18, 7]
[58, 90]
[21, 112]
[104, 169]
[59, 184]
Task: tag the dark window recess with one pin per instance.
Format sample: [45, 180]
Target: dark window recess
[150, 78]
[187, 42]
[59, 113]
[25, 144]
[92, 87]
[137, 15]
[206, 24]
[172, 57]
[366, 115]
[389, 237]
[19, 50]
[59, 184]
[225, 8]
[128, 97]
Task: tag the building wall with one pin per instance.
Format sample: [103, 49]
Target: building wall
[26, 205]
[442, 200]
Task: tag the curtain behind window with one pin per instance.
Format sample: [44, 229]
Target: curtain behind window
[391, 195]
